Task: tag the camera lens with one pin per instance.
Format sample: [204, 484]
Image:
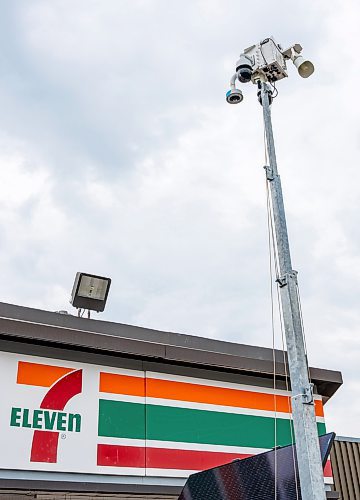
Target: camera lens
[244, 73]
[234, 96]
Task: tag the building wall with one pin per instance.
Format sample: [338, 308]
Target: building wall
[345, 461]
[93, 408]
[64, 416]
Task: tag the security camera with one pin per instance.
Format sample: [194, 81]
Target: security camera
[234, 96]
[244, 69]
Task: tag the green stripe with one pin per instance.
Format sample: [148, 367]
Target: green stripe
[209, 427]
[119, 419]
[166, 423]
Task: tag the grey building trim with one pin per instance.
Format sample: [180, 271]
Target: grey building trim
[348, 439]
[58, 486]
[78, 477]
[68, 489]
[93, 338]
[69, 495]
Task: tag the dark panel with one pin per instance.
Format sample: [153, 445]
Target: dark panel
[78, 356]
[52, 335]
[224, 360]
[135, 332]
[253, 478]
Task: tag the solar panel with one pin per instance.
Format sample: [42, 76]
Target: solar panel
[253, 478]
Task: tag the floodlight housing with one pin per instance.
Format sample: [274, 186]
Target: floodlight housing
[90, 292]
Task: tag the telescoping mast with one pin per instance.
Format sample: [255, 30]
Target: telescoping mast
[264, 64]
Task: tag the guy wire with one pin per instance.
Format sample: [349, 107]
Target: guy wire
[271, 273]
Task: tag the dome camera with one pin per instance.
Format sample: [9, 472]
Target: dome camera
[244, 69]
[234, 96]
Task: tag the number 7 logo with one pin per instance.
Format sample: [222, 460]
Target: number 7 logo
[64, 384]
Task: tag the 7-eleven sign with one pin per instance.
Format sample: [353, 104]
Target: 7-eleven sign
[50, 418]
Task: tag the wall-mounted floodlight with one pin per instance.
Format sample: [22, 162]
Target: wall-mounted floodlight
[90, 292]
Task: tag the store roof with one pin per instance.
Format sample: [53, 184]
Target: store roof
[34, 326]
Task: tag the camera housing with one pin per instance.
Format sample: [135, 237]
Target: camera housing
[234, 96]
[244, 69]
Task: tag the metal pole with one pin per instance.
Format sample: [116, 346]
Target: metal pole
[305, 429]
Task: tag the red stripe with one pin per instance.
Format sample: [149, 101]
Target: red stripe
[328, 469]
[45, 443]
[159, 458]
[44, 446]
[120, 456]
[162, 458]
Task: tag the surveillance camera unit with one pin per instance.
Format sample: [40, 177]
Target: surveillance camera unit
[266, 62]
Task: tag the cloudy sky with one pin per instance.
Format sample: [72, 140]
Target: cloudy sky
[119, 156]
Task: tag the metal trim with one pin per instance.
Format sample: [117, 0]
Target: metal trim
[89, 337]
[93, 487]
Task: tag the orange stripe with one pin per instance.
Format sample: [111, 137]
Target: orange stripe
[215, 395]
[122, 384]
[319, 408]
[197, 393]
[37, 374]
[183, 391]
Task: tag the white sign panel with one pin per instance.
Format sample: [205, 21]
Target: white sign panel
[62, 416]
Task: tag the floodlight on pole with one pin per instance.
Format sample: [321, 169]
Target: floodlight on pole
[264, 64]
[90, 292]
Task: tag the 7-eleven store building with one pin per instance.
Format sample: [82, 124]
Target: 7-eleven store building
[101, 409]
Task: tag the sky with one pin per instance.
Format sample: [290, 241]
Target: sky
[119, 156]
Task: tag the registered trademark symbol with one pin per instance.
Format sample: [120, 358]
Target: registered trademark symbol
[63, 436]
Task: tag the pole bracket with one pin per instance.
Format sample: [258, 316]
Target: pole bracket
[307, 396]
[269, 173]
[285, 278]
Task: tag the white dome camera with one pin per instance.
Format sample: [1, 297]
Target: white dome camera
[244, 69]
[234, 96]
